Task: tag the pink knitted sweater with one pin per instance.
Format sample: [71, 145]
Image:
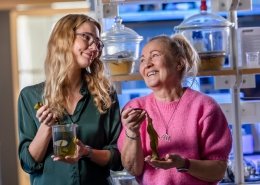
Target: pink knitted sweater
[198, 130]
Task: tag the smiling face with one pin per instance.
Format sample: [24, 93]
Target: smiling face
[158, 67]
[84, 53]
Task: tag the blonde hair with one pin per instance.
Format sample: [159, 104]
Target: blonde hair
[179, 46]
[60, 59]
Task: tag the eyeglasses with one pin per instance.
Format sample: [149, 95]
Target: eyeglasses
[89, 39]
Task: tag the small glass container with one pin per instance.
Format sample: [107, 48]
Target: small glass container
[64, 140]
[121, 48]
[252, 59]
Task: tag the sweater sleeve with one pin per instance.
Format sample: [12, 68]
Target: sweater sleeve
[27, 130]
[215, 136]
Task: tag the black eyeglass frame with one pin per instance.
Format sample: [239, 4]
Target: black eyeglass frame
[97, 41]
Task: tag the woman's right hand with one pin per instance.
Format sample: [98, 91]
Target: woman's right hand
[133, 118]
[39, 145]
[45, 116]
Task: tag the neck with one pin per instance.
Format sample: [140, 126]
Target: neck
[169, 95]
[75, 81]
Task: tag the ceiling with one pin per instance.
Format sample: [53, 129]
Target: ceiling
[11, 4]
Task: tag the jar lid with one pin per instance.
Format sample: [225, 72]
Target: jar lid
[204, 20]
[120, 33]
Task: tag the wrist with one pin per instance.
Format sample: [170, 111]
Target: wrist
[88, 152]
[186, 166]
[45, 130]
[182, 163]
[47, 127]
[133, 135]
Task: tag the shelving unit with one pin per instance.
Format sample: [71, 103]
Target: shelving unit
[237, 111]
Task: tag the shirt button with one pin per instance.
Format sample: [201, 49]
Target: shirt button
[74, 175]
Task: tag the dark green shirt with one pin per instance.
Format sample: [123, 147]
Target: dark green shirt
[100, 131]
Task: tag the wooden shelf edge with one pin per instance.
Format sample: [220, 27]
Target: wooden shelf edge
[250, 71]
[120, 78]
[217, 72]
[133, 77]
[141, 1]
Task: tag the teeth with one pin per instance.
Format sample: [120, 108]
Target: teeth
[151, 73]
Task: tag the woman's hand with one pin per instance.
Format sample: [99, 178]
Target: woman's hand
[75, 159]
[132, 153]
[170, 161]
[45, 116]
[132, 118]
[39, 145]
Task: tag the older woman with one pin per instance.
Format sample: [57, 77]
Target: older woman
[194, 138]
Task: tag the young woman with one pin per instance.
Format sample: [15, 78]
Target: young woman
[75, 91]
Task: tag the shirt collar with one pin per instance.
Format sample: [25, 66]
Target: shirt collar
[83, 89]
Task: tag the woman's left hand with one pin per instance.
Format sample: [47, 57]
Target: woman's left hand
[170, 161]
[75, 159]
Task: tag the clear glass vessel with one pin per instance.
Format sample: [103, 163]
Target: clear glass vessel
[121, 48]
[209, 34]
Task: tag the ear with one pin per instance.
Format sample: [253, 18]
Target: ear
[180, 64]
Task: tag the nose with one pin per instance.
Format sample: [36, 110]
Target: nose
[93, 47]
[148, 62]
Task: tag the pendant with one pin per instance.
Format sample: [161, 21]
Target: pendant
[165, 137]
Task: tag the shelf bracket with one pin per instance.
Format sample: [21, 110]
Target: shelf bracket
[118, 86]
[105, 11]
[224, 82]
[248, 81]
[230, 5]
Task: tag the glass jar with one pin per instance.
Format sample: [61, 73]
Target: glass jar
[121, 48]
[209, 34]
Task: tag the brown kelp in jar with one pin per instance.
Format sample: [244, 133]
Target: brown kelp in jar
[153, 136]
[211, 61]
[120, 63]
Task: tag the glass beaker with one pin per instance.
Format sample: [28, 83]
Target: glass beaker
[252, 59]
[64, 140]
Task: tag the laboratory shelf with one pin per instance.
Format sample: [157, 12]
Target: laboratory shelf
[223, 72]
[142, 1]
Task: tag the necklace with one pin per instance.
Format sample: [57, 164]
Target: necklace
[166, 136]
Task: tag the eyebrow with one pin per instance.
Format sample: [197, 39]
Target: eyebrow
[155, 50]
[151, 52]
[92, 35]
